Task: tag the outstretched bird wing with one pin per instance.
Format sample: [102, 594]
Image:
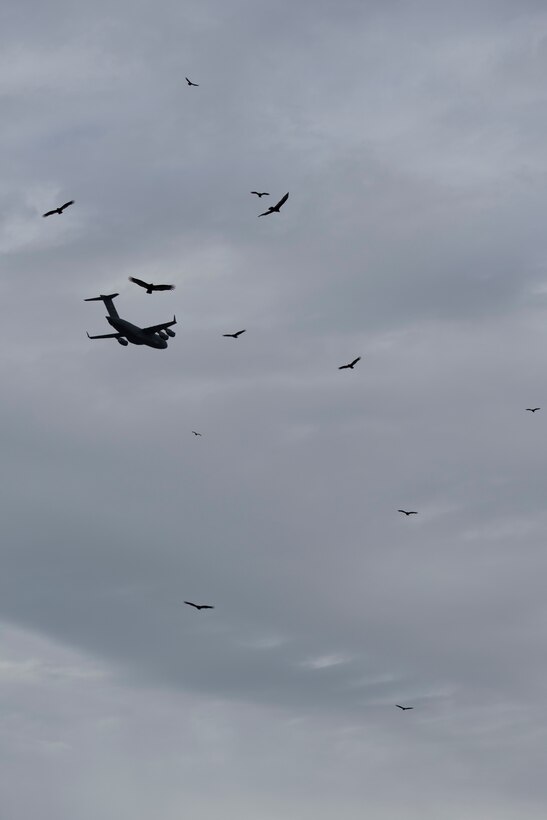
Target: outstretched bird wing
[71, 202]
[269, 211]
[163, 287]
[191, 604]
[343, 367]
[139, 282]
[282, 200]
[354, 362]
[239, 332]
[49, 213]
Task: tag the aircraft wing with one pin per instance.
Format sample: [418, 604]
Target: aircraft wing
[155, 328]
[105, 336]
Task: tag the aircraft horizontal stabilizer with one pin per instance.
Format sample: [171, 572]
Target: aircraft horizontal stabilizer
[102, 298]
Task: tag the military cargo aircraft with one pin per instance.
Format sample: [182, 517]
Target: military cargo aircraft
[154, 336]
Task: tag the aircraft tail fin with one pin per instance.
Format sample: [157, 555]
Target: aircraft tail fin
[108, 303]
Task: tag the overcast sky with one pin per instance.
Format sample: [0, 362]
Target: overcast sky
[412, 139]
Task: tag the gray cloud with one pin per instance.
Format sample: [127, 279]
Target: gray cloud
[411, 140]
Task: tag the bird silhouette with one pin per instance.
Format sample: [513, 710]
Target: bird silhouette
[149, 287]
[234, 335]
[196, 434]
[199, 606]
[533, 409]
[351, 365]
[259, 194]
[274, 209]
[191, 83]
[60, 209]
[408, 512]
[404, 708]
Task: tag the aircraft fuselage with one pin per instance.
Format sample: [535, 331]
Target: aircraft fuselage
[135, 334]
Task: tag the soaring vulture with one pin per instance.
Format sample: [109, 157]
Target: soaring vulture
[234, 335]
[60, 209]
[149, 287]
[274, 209]
[351, 365]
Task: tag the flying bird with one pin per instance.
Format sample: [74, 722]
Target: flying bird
[274, 209]
[533, 409]
[196, 434]
[191, 83]
[234, 335]
[404, 708]
[199, 606]
[150, 287]
[60, 209]
[408, 512]
[259, 194]
[351, 365]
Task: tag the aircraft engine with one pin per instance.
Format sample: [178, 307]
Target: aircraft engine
[170, 332]
[123, 342]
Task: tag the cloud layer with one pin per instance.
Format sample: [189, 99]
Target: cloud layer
[411, 139]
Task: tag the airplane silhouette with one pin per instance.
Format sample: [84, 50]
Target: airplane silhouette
[154, 336]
